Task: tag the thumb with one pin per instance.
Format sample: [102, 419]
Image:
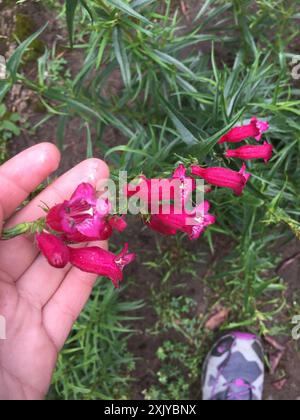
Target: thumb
[1, 219]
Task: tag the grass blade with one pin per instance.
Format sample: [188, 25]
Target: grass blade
[128, 10]
[15, 60]
[121, 56]
[71, 6]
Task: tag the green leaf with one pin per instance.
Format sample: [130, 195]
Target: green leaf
[126, 149]
[9, 126]
[89, 142]
[121, 56]
[186, 135]
[71, 6]
[2, 110]
[102, 47]
[87, 8]
[140, 3]
[124, 7]
[60, 132]
[207, 145]
[203, 9]
[4, 88]
[174, 62]
[15, 60]
[76, 104]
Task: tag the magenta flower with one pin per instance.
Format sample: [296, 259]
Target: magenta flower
[104, 263]
[193, 223]
[203, 219]
[187, 185]
[222, 177]
[90, 259]
[252, 152]
[117, 223]
[84, 217]
[255, 129]
[178, 187]
[142, 189]
[180, 173]
[54, 249]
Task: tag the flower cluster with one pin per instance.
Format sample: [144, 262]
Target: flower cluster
[87, 218]
[194, 223]
[227, 178]
[83, 218]
[171, 196]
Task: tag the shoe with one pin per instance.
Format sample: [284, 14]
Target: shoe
[234, 369]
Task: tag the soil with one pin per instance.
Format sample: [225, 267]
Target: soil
[143, 345]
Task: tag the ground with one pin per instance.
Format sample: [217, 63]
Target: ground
[145, 343]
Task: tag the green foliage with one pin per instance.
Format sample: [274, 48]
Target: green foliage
[180, 358]
[15, 60]
[8, 128]
[23, 29]
[175, 358]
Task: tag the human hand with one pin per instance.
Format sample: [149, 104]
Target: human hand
[39, 303]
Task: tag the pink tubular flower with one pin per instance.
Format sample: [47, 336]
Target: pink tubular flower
[255, 129]
[193, 223]
[142, 189]
[178, 187]
[54, 249]
[222, 177]
[82, 218]
[104, 263]
[117, 223]
[252, 152]
[187, 185]
[203, 219]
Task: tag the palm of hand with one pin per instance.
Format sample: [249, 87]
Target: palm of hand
[28, 355]
[38, 302]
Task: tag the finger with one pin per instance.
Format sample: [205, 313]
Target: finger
[63, 309]
[17, 255]
[1, 219]
[38, 284]
[23, 173]
[18, 177]
[41, 281]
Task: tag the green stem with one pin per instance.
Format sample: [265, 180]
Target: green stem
[23, 229]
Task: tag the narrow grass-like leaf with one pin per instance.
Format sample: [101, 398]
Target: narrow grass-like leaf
[186, 135]
[61, 130]
[87, 8]
[203, 9]
[5, 86]
[89, 142]
[206, 146]
[127, 9]
[174, 62]
[15, 60]
[102, 47]
[71, 6]
[77, 105]
[121, 56]
[126, 149]
[140, 3]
